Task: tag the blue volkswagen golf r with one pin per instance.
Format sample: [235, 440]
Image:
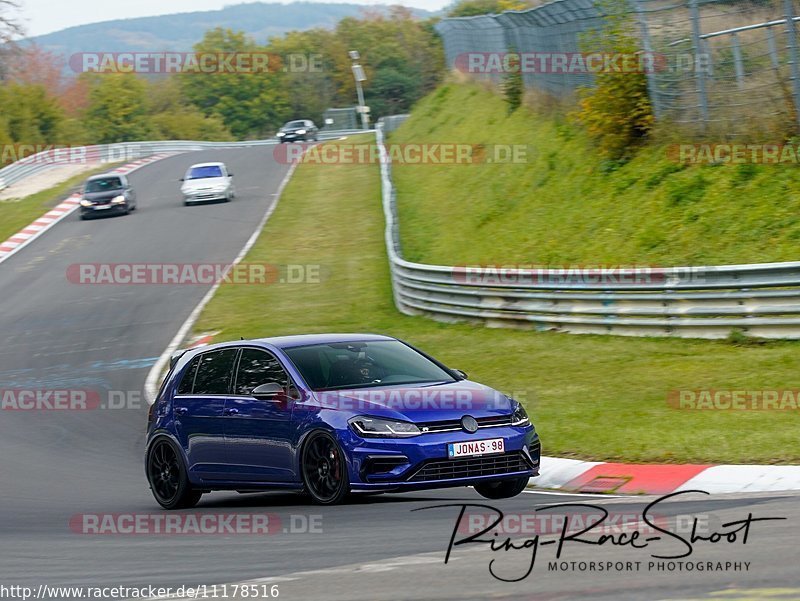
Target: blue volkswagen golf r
[329, 415]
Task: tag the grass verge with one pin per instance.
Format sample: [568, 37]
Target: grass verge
[591, 397]
[565, 205]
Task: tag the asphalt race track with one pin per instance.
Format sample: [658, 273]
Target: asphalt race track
[55, 465]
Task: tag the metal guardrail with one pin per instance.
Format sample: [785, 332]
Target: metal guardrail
[692, 302]
[123, 152]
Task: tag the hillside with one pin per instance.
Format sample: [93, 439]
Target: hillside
[565, 205]
[178, 32]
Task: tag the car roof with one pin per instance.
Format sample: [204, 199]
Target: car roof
[284, 342]
[104, 175]
[306, 339]
[217, 164]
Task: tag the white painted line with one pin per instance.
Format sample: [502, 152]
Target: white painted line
[151, 384]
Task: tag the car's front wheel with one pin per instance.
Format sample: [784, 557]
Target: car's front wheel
[168, 479]
[504, 489]
[324, 469]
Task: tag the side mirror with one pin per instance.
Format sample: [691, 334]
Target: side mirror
[460, 374]
[230, 175]
[268, 392]
[180, 180]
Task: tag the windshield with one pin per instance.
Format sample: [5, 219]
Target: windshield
[103, 185]
[344, 365]
[204, 172]
[294, 124]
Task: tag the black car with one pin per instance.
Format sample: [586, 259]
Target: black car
[302, 130]
[107, 194]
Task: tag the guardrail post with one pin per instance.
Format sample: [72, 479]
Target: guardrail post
[791, 32]
[699, 73]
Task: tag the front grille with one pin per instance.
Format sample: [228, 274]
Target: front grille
[471, 467]
[454, 425]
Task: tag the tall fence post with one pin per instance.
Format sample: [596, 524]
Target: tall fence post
[738, 64]
[699, 73]
[773, 49]
[647, 46]
[791, 31]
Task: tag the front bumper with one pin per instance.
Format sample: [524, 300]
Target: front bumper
[421, 462]
[205, 196]
[104, 209]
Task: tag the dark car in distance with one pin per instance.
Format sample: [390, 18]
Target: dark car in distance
[107, 194]
[328, 415]
[302, 130]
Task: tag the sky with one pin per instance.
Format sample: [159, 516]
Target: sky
[44, 16]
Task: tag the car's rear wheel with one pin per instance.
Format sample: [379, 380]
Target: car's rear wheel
[324, 469]
[168, 479]
[504, 489]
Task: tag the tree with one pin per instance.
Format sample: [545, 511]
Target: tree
[175, 118]
[117, 109]
[249, 103]
[32, 64]
[403, 58]
[473, 8]
[392, 91]
[30, 114]
[10, 29]
[617, 111]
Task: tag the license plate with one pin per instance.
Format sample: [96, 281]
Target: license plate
[475, 447]
[101, 207]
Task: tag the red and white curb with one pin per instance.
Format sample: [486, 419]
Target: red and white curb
[623, 478]
[201, 340]
[29, 233]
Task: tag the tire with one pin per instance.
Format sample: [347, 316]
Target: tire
[324, 469]
[167, 476]
[84, 217]
[502, 489]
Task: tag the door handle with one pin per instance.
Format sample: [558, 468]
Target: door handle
[231, 412]
[181, 411]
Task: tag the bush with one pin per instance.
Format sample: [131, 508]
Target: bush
[617, 111]
[513, 84]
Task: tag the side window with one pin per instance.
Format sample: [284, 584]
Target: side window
[257, 368]
[188, 377]
[214, 372]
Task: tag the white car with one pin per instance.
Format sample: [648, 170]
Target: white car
[206, 182]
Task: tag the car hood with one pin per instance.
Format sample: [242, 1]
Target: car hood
[104, 195]
[205, 183]
[420, 403]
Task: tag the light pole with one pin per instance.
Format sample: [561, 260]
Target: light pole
[359, 75]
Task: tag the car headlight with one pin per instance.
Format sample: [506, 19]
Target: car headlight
[118, 200]
[383, 428]
[281, 134]
[520, 417]
[300, 132]
[86, 203]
